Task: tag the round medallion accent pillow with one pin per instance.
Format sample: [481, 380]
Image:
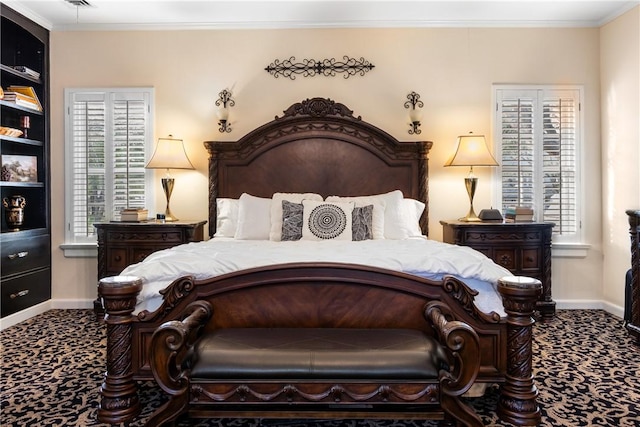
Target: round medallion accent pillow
[327, 221]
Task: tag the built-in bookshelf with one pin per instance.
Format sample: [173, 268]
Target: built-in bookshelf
[25, 228]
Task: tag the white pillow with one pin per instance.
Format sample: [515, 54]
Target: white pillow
[411, 212]
[378, 203]
[326, 221]
[275, 232]
[254, 220]
[226, 217]
[401, 216]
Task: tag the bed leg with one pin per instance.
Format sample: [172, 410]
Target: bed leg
[517, 404]
[119, 393]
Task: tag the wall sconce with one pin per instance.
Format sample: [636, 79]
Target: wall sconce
[225, 101]
[414, 115]
[169, 154]
[471, 151]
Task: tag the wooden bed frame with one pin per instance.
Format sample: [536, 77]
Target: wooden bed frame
[319, 146]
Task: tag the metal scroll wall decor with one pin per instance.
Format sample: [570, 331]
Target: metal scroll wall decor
[323, 67]
[225, 101]
[414, 114]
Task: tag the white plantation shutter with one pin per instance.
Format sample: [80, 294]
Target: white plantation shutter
[537, 137]
[128, 151]
[108, 135]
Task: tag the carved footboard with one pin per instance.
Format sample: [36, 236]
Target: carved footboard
[331, 296]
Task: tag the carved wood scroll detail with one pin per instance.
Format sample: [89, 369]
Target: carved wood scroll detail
[426, 393]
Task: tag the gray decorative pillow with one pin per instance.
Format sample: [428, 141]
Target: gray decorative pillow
[291, 220]
[362, 223]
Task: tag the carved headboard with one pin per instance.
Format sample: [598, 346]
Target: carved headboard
[317, 146]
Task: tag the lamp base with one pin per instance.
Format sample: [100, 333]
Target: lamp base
[470, 183]
[167, 186]
[168, 217]
[470, 219]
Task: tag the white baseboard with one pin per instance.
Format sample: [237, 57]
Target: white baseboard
[72, 304]
[590, 305]
[25, 314]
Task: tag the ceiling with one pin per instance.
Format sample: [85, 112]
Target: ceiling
[247, 14]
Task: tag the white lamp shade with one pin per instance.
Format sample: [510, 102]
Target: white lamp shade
[472, 150]
[169, 154]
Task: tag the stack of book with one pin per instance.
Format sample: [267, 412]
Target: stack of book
[518, 214]
[24, 96]
[134, 214]
[26, 70]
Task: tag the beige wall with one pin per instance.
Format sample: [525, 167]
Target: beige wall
[620, 93]
[452, 69]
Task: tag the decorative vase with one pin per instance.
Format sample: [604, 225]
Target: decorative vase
[14, 211]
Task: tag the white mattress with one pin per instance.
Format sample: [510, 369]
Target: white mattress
[419, 256]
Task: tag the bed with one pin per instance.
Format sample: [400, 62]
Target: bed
[319, 146]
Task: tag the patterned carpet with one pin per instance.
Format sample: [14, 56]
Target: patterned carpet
[587, 371]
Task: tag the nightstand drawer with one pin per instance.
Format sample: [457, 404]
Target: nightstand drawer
[506, 258]
[25, 291]
[531, 259]
[170, 237]
[496, 238]
[138, 254]
[117, 259]
[25, 254]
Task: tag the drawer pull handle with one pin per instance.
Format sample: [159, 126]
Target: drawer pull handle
[19, 255]
[22, 293]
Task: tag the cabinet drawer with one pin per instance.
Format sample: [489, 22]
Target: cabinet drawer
[506, 258]
[117, 260]
[531, 259]
[139, 254]
[25, 254]
[502, 236]
[24, 291]
[172, 237]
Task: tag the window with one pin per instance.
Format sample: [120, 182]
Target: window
[538, 138]
[108, 137]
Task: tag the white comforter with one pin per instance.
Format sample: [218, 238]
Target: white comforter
[420, 256]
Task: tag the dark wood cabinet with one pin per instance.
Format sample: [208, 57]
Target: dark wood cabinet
[524, 248]
[121, 244]
[24, 148]
[632, 291]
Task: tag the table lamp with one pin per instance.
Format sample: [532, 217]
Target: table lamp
[471, 151]
[169, 154]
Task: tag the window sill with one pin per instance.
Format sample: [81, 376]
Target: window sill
[569, 250]
[80, 250]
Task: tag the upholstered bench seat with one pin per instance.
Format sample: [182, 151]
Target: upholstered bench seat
[289, 372]
[317, 353]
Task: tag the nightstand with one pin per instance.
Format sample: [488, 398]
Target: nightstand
[524, 248]
[121, 244]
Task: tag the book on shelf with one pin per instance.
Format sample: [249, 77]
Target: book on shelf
[26, 70]
[28, 94]
[21, 100]
[134, 214]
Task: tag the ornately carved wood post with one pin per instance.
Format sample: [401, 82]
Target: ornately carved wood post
[518, 398]
[213, 183]
[633, 326]
[119, 403]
